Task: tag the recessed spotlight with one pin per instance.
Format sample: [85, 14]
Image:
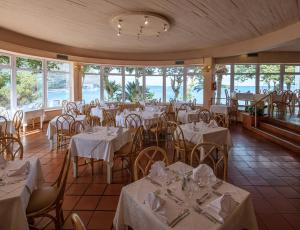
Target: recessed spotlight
[146, 20]
[120, 24]
[165, 27]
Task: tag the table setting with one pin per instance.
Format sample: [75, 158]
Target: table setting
[18, 179]
[183, 197]
[185, 116]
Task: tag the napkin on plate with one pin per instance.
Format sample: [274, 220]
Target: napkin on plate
[20, 168]
[158, 169]
[221, 207]
[204, 175]
[212, 124]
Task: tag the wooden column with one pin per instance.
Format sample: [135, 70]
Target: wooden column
[77, 81]
[208, 80]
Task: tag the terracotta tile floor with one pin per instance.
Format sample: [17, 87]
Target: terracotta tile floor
[270, 173]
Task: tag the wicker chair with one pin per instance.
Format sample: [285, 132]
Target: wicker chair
[146, 158]
[109, 118]
[77, 222]
[64, 129]
[205, 115]
[221, 120]
[213, 155]
[133, 122]
[3, 126]
[17, 122]
[47, 199]
[11, 147]
[160, 128]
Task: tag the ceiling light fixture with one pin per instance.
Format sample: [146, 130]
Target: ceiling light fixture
[146, 20]
[119, 24]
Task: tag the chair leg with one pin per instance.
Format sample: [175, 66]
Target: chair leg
[92, 165]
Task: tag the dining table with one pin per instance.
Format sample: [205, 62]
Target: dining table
[133, 211]
[51, 130]
[98, 111]
[185, 116]
[15, 193]
[98, 143]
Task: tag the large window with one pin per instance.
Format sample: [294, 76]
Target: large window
[195, 84]
[112, 83]
[174, 83]
[58, 83]
[91, 83]
[5, 81]
[29, 82]
[154, 83]
[133, 84]
[222, 77]
[269, 77]
[244, 78]
[291, 79]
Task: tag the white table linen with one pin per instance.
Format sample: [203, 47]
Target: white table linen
[51, 130]
[132, 211]
[14, 197]
[98, 111]
[184, 116]
[28, 115]
[223, 109]
[101, 144]
[149, 118]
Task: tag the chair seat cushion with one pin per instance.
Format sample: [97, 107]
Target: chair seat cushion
[42, 198]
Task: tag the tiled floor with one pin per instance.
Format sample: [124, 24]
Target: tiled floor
[270, 173]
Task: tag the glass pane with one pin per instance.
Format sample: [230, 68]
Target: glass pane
[90, 87]
[58, 88]
[4, 60]
[112, 88]
[191, 70]
[58, 66]
[130, 70]
[27, 63]
[222, 77]
[153, 71]
[115, 69]
[5, 88]
[269, 82]
[247, 68]
[154, 87]
[292, 68]
[195, 86]
[29, 88]
[269, 68]
[174, 88]
[245, 83]
[174, 71]
[291, 82]
[91, 68]
[133, 88]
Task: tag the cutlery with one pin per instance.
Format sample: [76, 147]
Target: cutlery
[180, 217]
[217, 184]
[153, 181]
[172, 198]
[207, 215]
[170, 192]
[202, 199]
[217, 193]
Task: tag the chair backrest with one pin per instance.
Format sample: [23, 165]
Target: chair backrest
[133, 120]
[137, 142]
[109, 118]
[221, 120]
[212, 155]
[205, 115]
[3, 126]
[161, 124]
[146, 158]
[77, 127]
[10, 148]
[17, 119]
[64, 124]
[77, 222]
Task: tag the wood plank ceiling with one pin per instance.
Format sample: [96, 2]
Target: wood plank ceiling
[196, 24]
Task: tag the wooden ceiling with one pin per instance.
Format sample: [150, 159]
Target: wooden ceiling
[196, 24]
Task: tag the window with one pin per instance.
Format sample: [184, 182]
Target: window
[29, 82]
[58, 82]
[222, 76]
[112, 83]
[5, 81]
[291, 79]
[154, 83]
[269, 77]
[195, 84]
[174, 83]
[91, 83]
[133, 84]
[245, 78]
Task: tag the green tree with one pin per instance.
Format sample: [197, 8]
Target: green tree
[4, 88]
[220, 71]
[113, 89]
[176, 78]
[196, 82]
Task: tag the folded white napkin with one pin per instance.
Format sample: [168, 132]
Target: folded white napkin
[158, 169]
[221, 207]
[204, 175]
[154, 202]
[212, 124]
[20, 168]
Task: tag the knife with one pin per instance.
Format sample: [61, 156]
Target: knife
[180, 217]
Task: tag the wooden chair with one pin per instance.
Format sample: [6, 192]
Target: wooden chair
[77, 127]
[227, 97]
[133, 121]
[146, 158]
[77, 222]
[64, 129]
[11, 147]
[47, 199]
[72, 109]
[205, 115]
[64, 106]
[233, 110]
[3, 126]
[17, 122]
[212, 155]
[221, 120]
[109, 118]
[159, 130]
[130, 151]
[182, 147]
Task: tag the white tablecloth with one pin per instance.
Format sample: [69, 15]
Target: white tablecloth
[28, 115]
[101, 144]
[219, 135]
[98, 112]
[149, 118]
[223, 109]
[132, 211]
[14, 198]
[184, 116]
